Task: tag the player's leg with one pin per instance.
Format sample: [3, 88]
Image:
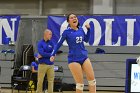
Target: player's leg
[77, 73]
[87, 68]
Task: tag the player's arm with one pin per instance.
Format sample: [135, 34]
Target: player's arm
[59, 43]
[87, 36]
[33, 70]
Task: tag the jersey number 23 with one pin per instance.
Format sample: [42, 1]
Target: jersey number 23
[79, 39]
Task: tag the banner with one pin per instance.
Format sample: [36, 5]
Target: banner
[107, 30]
[8, 29]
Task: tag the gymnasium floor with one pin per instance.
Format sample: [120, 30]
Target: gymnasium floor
[15, 91]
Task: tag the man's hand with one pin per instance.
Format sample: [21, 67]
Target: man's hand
[138, 60]
[52, 58]
[39, 56]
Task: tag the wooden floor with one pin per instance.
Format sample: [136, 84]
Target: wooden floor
[15, 91]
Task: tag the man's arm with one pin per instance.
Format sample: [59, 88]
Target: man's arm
[41, 51]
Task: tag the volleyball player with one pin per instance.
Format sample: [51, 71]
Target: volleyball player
[78, 61]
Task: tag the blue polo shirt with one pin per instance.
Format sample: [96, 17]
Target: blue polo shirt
[35, 65]
[45, 49]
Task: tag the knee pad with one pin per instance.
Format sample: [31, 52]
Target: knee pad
[92, 82]
[79, 86]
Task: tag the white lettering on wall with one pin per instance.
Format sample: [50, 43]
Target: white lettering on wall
[9, 31]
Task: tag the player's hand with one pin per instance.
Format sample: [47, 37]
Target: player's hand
[87, 26]
[52, 58]
[138, 60]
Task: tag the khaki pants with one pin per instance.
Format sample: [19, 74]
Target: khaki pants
[42, 70]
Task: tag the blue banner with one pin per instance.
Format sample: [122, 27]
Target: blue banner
[8, 29]
[106, 30]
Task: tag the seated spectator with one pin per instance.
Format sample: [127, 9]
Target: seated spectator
[34, 66]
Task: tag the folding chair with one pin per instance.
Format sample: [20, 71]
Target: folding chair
[58, 80]
[21, 80]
